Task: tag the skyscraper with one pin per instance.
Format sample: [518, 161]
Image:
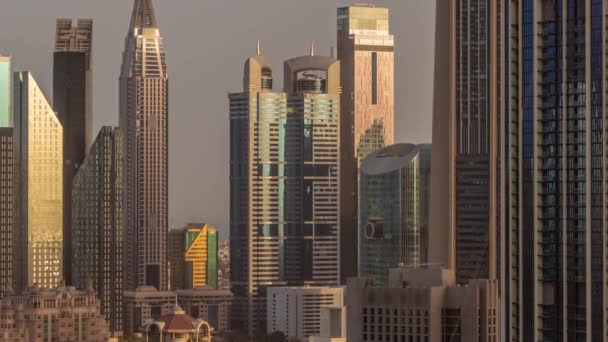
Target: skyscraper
[554, 165]
[366, 53]
[144, 87]
[72, 100]
[465, 139]
[7, 183]
[284, 162]
[39, 157]
[193, 256]
[97, 230]
[394, 197]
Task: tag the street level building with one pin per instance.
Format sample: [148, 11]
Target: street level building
[208, 304]
[296, 311]
[143, 304]
[422, 305]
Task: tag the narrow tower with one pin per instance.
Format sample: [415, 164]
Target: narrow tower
[144, 126]
[72, 100]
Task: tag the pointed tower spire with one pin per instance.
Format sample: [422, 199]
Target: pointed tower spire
[258, 48]
[143, 15]
[312, 48]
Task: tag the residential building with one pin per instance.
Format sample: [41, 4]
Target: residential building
[193, 256]
[39, 156]
[554, 279]
[143, 304]
[8, 248]
[422, 305]
[465, 139]
[394, 214]
[367, 120]
[208, 304]
[97, 230]
[73, 102]
[284, 153]
[296, 311]
[144, 87]
[61, 314]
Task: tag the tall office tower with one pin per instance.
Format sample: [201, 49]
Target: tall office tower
[72, 100]
[554, 139]
[193, 256]
[7, 178]
[39, 158]
[395, 184]
[367, 123]
[465, 139]
[97, 233]
[144, 87]
[284, 218]
[7, 212]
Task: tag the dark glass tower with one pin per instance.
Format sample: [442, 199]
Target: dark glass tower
[72, 101]
[554, 250]
[144, 107]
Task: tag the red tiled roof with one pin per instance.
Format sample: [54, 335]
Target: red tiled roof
[177, 322]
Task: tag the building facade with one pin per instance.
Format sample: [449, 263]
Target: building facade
[144, 87]
[333, 325]
[143, 304]
[8, 247]
[296, 311]
[208, 304]
[61, 314]
[193, 256]
[97, 230]
[284, 153]
[394, 209]
[39, 158]
[465, 138]
[367, 121]
[6, 113]
[177, 326]
[422, 305]
[72, 100]
[554, 170]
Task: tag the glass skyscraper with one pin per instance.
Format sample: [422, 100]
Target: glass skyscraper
[39, 157]
[394, 202]
[554, 275]
[8, 246]
[97, 229]
[284, 153]
[144, 107]
[5, 91]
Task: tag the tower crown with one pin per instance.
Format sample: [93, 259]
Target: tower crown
[143, 15]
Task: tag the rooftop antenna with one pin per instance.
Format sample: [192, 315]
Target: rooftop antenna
[312, 48]
[258, 48]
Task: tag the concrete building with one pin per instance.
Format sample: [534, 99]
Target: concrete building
[61, 314]
[193, 256]
[143, 304]
[422, 305]
[296, 311]
[554, 279]
[8, 233]
[284, 212]
[210, 305]
[333, 325]
[73, 102]
[144, 113]
[97, 229]
[39, 157]
[464, 190]
[367, 120]
[394, 200]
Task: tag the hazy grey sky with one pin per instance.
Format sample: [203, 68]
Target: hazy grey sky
[207, 42]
